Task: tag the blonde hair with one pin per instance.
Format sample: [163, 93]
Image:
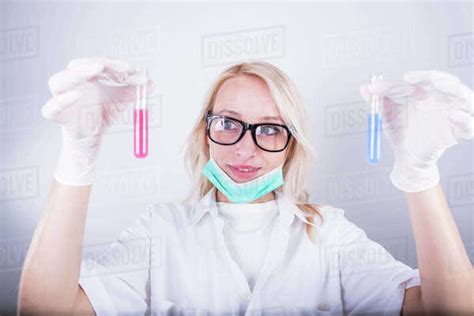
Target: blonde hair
[300, 153]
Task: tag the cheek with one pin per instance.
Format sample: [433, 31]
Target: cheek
[274, 160]
[219, 153]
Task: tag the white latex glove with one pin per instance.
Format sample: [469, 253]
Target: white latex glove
[85, 108]
[437, 114]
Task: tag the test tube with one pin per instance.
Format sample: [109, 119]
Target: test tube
[374, 123]
[140, 122]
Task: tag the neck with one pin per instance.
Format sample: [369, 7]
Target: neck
[266, 198]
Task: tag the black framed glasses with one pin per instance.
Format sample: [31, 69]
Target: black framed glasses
[224, 130]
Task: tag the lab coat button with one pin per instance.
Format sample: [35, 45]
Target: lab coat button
[323, 307]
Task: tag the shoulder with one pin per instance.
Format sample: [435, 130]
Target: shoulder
[337, 227]
[329, 213]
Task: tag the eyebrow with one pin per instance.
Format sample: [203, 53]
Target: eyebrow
[275, 118]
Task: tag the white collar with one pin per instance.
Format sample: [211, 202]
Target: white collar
[287, 209]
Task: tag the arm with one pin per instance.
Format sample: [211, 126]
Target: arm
[446, 273]
[436, 115]
[49, 279]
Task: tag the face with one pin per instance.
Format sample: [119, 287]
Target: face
[248, 99]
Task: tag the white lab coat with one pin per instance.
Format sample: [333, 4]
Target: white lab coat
[174, 261]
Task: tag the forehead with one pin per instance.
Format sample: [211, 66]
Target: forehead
[247, 97]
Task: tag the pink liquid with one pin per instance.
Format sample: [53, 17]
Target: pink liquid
[140, 133]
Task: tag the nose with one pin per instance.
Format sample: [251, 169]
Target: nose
[246, 145]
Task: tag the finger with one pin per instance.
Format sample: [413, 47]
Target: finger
[462, 125]
[420, 76]
[393, 89]
[465, 105]
[396, 91]
[137, 78]
[392, 111]
[55, 106]
[109, 63]
[453, 88]
[67, 79]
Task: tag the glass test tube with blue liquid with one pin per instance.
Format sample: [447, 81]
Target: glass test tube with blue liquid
[374, 120]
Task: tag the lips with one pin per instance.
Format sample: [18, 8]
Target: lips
[245, 167]
[244, 172]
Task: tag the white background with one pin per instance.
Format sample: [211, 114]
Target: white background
[328, 49]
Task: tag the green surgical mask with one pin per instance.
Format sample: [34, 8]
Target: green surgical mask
[242, 192]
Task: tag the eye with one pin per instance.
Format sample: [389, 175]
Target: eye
[225, 124]
[270, 130]
[229, 124]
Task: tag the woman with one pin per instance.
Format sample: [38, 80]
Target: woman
[246, 240]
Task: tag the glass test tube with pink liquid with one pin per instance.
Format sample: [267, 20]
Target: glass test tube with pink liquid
[140, 111]
[140, 122]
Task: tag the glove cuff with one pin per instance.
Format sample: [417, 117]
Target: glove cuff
[414, 178]
[77, 161]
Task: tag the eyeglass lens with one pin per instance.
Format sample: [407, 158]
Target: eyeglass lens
[268, 136]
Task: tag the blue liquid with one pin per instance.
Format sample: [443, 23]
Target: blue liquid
[374, 137]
